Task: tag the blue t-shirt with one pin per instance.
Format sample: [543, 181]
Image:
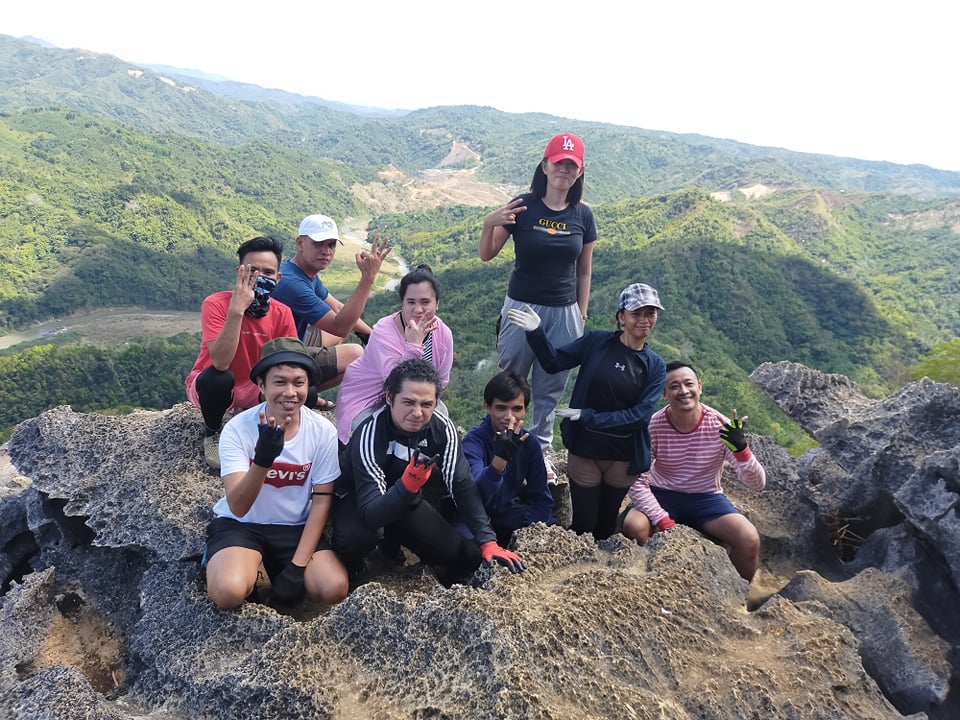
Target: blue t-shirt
[547, 244]
[303, 295]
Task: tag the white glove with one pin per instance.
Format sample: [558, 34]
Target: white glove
[572, 413]
[526, 318]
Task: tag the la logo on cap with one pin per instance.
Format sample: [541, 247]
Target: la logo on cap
[568, 144]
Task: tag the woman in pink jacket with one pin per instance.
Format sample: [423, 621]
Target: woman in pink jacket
[414, 331]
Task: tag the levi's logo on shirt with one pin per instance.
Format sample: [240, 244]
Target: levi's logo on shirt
[283, 474]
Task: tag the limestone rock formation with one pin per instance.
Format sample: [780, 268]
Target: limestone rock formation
[105, 615]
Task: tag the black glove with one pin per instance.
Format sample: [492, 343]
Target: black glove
[288, 586]
[732, 435]
[269, 445]
[506, 444]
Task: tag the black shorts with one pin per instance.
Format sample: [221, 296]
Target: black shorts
[275, 543]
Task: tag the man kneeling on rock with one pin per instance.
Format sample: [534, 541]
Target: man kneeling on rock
[690, 442]
[278, 464]
[404, 472]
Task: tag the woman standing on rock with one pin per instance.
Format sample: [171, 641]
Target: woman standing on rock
[414, 331]
[553, 234]
[617, 389]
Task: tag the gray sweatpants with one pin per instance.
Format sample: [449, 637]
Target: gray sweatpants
[561, 325]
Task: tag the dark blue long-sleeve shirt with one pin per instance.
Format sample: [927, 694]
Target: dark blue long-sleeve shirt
[508, 500]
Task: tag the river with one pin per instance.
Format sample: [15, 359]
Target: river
[110, 326]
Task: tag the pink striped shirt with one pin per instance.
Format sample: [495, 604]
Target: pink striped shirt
[691, 462]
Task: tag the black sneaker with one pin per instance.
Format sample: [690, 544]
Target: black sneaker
[392, 552]
[358, 575]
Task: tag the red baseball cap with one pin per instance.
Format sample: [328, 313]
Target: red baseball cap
[565, 146]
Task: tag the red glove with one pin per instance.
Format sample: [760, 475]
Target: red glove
[491, 551]
[418, 470]
[665, 524]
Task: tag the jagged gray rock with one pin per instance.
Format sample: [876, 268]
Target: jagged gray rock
[812, 398]
[109, 512]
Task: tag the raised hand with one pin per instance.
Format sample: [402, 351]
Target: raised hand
[269, 440]
[526, 318]
[507, 215]
[242, 295]
[732, 434]
[507, 442]
[369, 262]
[418, 471]
[492, 552]
[416, 331]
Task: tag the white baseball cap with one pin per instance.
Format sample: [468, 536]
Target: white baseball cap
[319, 228]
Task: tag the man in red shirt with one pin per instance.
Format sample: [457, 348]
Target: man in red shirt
[235, 324]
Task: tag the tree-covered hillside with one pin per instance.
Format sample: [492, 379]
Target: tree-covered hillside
[94, 214]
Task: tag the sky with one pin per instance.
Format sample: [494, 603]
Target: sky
[854, 78]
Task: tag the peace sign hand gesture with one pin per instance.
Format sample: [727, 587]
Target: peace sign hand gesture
[507, 215]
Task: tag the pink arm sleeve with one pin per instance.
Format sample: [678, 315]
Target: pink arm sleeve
[749, 470]
[643, 500]
[446, 358]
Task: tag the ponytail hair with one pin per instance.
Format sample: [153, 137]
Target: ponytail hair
[421, 273]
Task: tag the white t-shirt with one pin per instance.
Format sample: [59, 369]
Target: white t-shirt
[310, 458]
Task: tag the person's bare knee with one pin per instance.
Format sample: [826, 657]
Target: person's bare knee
[742, 539]
[636, 526]
[326, 579]
[231, 576]
[227, 589]
[347, 354]
[745, 550]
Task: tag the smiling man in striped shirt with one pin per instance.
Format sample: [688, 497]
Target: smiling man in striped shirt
[690, 442]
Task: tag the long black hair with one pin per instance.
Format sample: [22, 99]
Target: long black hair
[538, 186]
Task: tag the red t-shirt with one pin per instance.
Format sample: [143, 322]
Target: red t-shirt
[254, 332]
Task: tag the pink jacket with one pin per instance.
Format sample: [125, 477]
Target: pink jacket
[363, 380]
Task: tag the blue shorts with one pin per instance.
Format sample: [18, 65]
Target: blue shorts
[693, 509]
[275, 543]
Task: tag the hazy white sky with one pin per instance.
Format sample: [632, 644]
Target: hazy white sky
[866, 79]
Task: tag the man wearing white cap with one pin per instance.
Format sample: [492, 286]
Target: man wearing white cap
[316, 311]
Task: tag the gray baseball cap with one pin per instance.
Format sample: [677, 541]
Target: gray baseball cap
[637, 296]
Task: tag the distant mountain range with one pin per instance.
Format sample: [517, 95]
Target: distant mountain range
[131, 185]
[220, 85]
[623, 162]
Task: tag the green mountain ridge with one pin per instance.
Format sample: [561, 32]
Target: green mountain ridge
[628, 162]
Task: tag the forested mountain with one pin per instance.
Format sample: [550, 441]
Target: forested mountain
[121, 186]
[93, 213]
